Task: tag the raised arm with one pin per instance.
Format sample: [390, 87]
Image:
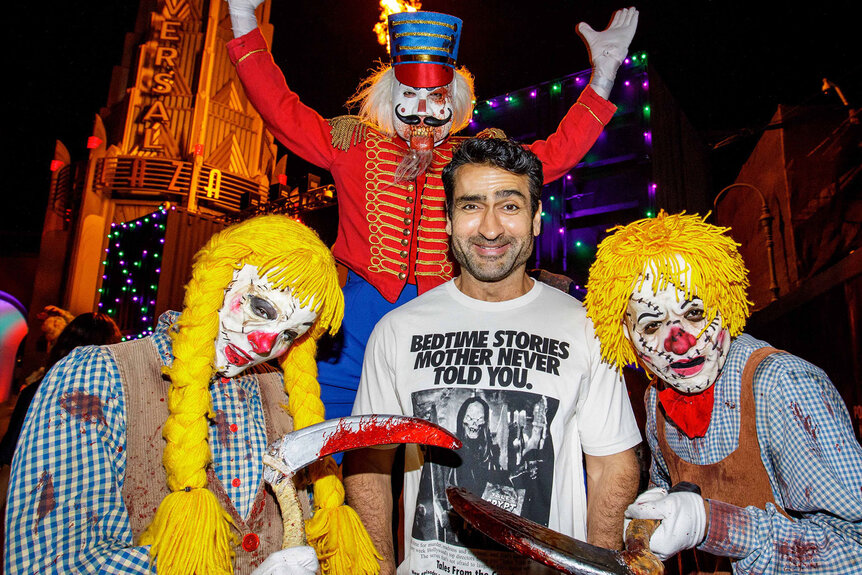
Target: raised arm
[608, 48]
[300, 128]
[585, 120]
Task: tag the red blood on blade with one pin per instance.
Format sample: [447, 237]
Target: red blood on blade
[375, 430]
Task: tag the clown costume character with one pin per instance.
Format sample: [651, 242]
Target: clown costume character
[149, 453]
[386, 162]
[764, 433]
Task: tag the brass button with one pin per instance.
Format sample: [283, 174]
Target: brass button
[408, 210]
[409, 187]
[402, 275]
[407, 221]
[405, 242]
[403, 267]
[406, 232]
[404, 254]
[409, 200]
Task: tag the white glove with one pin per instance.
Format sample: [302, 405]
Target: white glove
[651, 494]
[290, 561]
[683, 520]
[242, 18]
[608, 48]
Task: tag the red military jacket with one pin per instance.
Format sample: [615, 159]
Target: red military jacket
[389, 233]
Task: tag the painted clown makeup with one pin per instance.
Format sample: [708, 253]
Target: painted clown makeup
[423, 116]
[257, 322]
[670, 335]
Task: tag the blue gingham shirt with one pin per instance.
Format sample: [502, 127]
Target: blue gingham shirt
[812, 458]
[77, 449]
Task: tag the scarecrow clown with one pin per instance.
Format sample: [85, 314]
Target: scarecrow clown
[387, 161]
[150, 451]
[763, 433]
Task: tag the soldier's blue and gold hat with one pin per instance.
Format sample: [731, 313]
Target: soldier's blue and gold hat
[424, 47]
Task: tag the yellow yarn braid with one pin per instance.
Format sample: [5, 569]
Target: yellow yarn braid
[190, 532]
[335, 531]
[718, 275]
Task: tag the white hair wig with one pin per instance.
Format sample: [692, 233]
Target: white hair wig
[374, 97]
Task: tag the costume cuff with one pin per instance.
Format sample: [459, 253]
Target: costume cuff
[239, 48]
[731, 531]
[602, 109]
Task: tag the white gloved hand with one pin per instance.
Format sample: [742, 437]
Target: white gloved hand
[609, 47]
[290, 561]
[651, 494]
[683, 521]
[242, 18]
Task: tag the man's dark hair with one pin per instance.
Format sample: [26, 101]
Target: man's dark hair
[500, 153]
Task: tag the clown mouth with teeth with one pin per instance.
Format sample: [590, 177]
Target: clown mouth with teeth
[423, 119]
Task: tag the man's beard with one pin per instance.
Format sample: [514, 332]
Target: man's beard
[497, 269]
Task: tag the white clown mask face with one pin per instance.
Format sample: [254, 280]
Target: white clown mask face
[670, 335]
[257, 322]
[423, 116]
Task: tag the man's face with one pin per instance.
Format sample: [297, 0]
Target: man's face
[423, 116]
[491, 225]
[257, 322]
[474, 420]
[665, 329]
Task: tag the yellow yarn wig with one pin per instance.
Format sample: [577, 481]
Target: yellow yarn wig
[718, 275]
[190, 532]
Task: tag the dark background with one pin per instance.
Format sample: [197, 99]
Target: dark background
[728, 64]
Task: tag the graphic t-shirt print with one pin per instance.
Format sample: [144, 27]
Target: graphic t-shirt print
[481, 381]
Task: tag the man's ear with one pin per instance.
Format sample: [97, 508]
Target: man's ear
[537, 220]
[448, 223]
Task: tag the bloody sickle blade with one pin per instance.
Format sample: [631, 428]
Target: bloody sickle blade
[304, 446]
[535, 541]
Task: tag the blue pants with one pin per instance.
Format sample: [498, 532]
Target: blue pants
[339, 362]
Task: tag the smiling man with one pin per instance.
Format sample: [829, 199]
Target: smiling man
[764, 434]
[510, 365]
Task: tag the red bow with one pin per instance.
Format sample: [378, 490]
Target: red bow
[691, 413]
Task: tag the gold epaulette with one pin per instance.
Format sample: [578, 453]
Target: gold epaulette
[488, 133]
[347, 131]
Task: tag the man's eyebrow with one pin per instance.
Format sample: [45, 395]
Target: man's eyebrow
[498, 195]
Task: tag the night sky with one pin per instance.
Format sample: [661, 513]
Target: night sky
[728, 64]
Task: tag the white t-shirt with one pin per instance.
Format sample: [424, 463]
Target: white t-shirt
[522, 384]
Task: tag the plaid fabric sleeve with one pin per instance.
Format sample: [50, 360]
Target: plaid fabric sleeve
[815, 465]
[65, 510]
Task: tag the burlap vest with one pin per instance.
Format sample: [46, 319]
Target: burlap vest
[739, 479]
[145, 483]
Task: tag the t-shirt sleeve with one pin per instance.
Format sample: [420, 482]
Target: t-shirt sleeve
[606, 422]
[378, 393]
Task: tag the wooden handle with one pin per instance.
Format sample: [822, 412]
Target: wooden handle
[291, 511]
[637, 555]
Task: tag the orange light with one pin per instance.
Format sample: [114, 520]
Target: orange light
[56, 165]
[282, 179]
[388, 7]
[93, 142]
[199, 149]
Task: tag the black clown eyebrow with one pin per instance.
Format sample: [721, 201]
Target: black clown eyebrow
[647, 314]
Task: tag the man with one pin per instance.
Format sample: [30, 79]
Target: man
[386, 162]
[764, 434]
[94, 486]
[520, 346]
